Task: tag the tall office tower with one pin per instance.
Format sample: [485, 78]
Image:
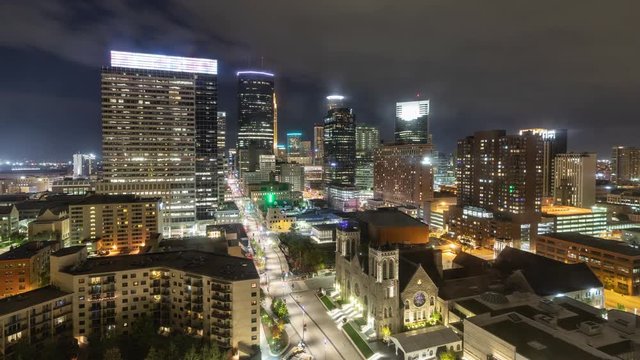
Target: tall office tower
[159, 120]
[318, 144]
[293, 174]
[625, 164]
[412, 122]
[554, 142]
[367, 140]
[84, 165]
[574, 181]
[403, 174]
[255, 117]
[335, 101]
[275, 123]
[444, 170]
[222, 159]
[294, 146]
[500, 173]
[339, 143]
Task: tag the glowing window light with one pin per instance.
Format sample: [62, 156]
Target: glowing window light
[163, 62]
[335, 97]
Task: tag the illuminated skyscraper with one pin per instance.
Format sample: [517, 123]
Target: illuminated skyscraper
[367, 140]
[499, 186]
[554, 142]
[625, 164]
[255, 117]
[84, 165]
[339, 143]
[412, 122]
[294, 140]
[222, 159]
[275, 124]
[318, 144]
[574, 182]
[159, 120]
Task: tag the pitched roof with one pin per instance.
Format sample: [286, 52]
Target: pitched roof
[411, 258]
[542, 273]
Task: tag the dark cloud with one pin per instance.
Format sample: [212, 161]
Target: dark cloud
[484, 64]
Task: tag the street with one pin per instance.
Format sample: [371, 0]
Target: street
[322, 337]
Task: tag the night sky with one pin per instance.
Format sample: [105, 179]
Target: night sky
[484, 64]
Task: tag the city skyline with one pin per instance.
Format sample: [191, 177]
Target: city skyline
[472, 92]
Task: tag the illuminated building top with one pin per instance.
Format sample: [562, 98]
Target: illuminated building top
[163, 63]
[411, 110]
[251, 72]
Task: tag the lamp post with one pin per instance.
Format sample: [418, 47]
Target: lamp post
[324, 345]
[304, 324]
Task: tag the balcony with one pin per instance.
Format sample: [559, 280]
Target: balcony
[221, 297]
[221, 315]
[220, 332]
[221, 307]
[221, 288]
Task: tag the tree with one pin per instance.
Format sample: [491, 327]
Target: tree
[212, 352]
[192, 354]
[386, 332]
[155, 354]
[280, 309]
[112, 354]
[448, 355]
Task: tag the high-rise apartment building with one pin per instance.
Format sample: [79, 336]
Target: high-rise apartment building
[255, 117]
[412, 122]
[500, 172]
[554, 142]
[26, 267]
[499, 186]
[339, 143]
[159, 120]
[202, 294]
[403, 174]
[116, 223]
[367, 140]
[318, 144]
[574, 181]
[84, 165]
[625, 164]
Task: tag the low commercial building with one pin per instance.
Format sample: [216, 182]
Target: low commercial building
[279, 220]
[120, 222]
[343, 197]
[437, 211]
[51, 224]
[589, 221]
[198, 293]
[427, 343]
[73, 186]
[33, 317]
[26, 267]
[273, 193]
[616, 264]
[524, 326]
[8, 221]
[227, 213]
[324, 233]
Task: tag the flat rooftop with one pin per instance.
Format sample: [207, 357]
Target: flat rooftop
[613, 246]
[221, 266]
[113, 199]
[68, 250]
[27, 250]
[534, 343]
[27, 299]
[387, 217]
[560, 210]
